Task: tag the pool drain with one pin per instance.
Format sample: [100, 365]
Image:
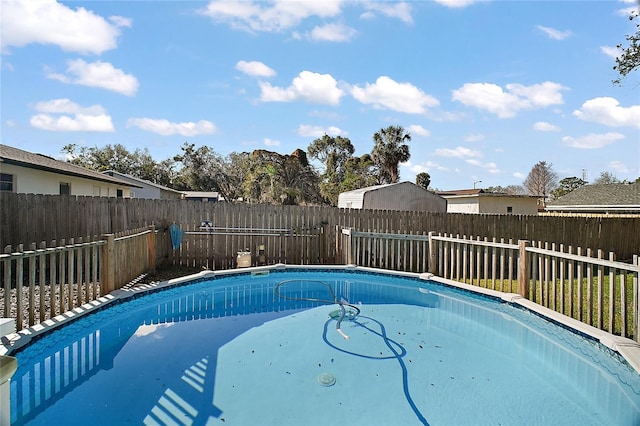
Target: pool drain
[327, 379]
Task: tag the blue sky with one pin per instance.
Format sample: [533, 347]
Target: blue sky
[486, 88]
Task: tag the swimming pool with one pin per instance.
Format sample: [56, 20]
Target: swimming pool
[260, 349]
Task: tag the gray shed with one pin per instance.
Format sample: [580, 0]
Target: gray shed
[405, 196]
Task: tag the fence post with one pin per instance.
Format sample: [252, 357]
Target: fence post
[433, 267]
[636, 298]
[523, 269]
[8, 366]
[350, 247]
[151, 248]
[108, 267]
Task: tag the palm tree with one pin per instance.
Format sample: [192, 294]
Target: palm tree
[390, 150]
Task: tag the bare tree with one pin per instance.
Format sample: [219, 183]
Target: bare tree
[541, 180]
[606, 178]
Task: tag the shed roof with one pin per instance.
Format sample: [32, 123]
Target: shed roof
[18, 157]
[366, 189]
[603, 195]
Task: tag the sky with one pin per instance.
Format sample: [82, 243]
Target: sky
[486, 89]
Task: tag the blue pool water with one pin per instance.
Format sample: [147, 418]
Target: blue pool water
[231, 351]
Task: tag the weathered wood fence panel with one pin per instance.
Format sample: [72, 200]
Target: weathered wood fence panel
[46, 281]
[28, 217]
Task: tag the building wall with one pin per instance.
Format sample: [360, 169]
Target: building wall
[500, 205]
[405, 197]
[33, 181]
[467, 205]
[477, 204]
[350, 201]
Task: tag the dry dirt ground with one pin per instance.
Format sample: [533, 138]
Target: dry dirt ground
[162, 274]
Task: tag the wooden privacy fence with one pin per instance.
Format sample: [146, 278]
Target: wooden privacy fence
[45, 281]
[580, 283]
[217, 247]
[29, 217]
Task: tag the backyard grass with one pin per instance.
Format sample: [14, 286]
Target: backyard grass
[553, 300]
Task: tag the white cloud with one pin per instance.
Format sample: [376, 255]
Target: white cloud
[543, 126]
[474, 137]
[121, 21]
[78, 119]
[490, 166]
[416, 129]
[627, 11]
[519, 175]
[98, 74]
[400, 97]
[307, 86]
[422, 167]
[332, 32]
[307, 130]
[607, 111]
[618, 166]
[553, 33]
[592, 141]
[458, 152]
[66, 106]
[401, 10]
[49, 22]
[612, 52]
[271, 17]
[167, 128]
[507, 103]
[456, 3]
[271, 142]
[255, 69]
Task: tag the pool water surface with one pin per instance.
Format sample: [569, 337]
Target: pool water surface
[230, 350]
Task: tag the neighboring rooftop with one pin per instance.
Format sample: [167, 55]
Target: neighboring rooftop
[18, 157]
[605, 197]
[113, 173]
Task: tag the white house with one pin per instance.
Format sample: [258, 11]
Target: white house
[146, 188]
[405, 196]
[476, 201]
[29, 173]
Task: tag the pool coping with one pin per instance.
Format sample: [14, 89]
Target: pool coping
[627, 348]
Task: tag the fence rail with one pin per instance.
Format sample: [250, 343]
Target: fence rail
[599, 291]
[41, 283]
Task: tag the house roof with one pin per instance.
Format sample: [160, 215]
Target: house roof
[466, 193]
[605, 196]
[18, 157]
[141, 181]
[460, 192]
[201, 194]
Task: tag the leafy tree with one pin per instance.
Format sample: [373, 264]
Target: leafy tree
[281, 179]
[139, 163]
[199, 168]
[390, 150]
[229, 177]
[606, 178]
[360, 172]
[423, 180]
[567, 185]
[629, 59]
[333, 153]
[509, 190]
[541, 180]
